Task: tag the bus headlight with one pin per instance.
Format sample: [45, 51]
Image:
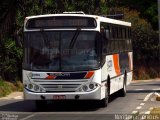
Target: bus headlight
[91, 86]
[30, 86]
[34, 87]
[87, 87]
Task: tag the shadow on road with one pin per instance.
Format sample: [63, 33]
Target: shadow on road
[56, 106]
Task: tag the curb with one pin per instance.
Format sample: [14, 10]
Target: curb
[13, 95]
[152, 80]
[158, 98]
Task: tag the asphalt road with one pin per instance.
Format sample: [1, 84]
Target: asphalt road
[140, 98]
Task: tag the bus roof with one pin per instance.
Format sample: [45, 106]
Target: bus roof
[98, 18]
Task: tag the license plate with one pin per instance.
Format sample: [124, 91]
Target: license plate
[59, 97]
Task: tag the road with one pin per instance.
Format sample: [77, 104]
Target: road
[140, 98]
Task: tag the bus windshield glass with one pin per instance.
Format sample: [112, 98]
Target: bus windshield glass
[52, 51]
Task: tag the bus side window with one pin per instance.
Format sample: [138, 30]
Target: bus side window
[127, 45]
[107, 34]
[130, 45]
[112, 46]
[104, 40]
[123, 33]
[116, 46]
[121, 45]
[106, 37]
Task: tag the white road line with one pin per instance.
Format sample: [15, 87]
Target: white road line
[134, 112]
[139, 107]
[157, 94]
[147, 97]
[28, 117]
[148, 112]
[142, 104]
[151, 108]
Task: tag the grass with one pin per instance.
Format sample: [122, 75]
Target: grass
[145, 73]
[155, 111]
[154, 114]
[8, 87]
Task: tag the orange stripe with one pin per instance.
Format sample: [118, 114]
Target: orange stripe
[116, 63]
[89, 74]
[50, 77]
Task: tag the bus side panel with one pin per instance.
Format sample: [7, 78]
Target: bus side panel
[118, 78]
[115, 66]
[108, 69]
[126, 65]
[130, 74]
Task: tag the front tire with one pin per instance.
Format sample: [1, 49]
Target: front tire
[123, 91]
[104, 102]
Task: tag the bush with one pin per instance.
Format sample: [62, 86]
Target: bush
[153, 73]
[8, 87]
[10, 59]
[145, 46]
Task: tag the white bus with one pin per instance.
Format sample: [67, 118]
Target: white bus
[76, 57]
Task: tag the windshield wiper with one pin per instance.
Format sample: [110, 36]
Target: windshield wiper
[45, 37]
[74, 38]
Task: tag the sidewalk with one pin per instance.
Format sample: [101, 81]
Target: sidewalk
[14, 95]
[151, 80]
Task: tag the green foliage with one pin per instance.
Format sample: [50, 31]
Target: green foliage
[145, 39]
[148, 9]
[145, 46]
[8, 87]
[144, 72]
[10, 59]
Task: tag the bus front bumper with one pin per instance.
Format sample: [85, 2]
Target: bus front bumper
[92, 95]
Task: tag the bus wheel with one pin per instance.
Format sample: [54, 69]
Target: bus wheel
[123, 91]
[40, 104]
[104, 102]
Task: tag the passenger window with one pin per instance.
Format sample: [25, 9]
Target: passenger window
[116, 46]
[107, 34]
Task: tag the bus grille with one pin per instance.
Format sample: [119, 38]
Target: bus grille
[60, 86]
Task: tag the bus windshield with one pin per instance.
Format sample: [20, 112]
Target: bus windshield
[55, 50]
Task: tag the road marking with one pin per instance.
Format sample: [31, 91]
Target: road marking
[148, 112]
[147, 97]
[18, 97]
[151, 108]
[142, 104]
[157, 94]
[134, 112]
[32, 115]
[139, 107]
